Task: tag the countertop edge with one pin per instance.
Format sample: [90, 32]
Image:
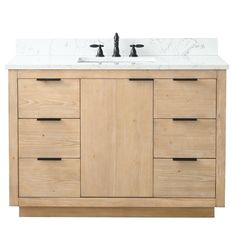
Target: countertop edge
[218, 67]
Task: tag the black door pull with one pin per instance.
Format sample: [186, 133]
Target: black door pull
[184, 119]
[49, 159]
[48, 79]
[184, 159]
[141, 79]
[185, 79]
[48, 119]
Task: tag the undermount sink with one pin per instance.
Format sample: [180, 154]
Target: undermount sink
[116, 60]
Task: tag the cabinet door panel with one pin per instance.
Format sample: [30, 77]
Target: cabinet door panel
[116, 138]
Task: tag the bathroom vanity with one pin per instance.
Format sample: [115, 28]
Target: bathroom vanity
[123, 136]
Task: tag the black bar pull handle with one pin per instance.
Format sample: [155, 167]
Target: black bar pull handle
[49, 158]
[141, 79]
[184, 119]
[48, 119]
[184, 159]
[185, 79]
[48, 79]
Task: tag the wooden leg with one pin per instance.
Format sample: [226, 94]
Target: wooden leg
[116, 211]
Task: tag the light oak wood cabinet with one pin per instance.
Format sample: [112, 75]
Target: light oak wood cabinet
[117, 143]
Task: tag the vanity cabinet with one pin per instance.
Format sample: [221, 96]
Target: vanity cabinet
[117, 142]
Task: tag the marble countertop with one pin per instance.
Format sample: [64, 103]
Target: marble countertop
[160, 62]
[180, 53]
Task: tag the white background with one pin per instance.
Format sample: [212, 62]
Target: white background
[102, 18]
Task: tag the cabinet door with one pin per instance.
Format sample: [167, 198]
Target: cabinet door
[116, 138]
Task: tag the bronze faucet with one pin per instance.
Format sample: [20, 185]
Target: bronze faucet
[116, 51]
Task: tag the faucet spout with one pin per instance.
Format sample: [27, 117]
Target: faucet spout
[116, 51]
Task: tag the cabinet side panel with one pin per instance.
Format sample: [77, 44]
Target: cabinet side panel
[13, 137]
[220, 138]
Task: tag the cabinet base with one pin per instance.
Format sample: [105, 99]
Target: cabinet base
[117, 211]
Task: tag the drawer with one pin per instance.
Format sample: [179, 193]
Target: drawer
[53, 98]
[185, 98]
[46, 138]
[49, 178]
[184, 178]
[184, 138]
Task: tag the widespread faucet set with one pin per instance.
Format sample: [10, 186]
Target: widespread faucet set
[116, 51]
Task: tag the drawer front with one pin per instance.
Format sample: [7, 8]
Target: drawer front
[53, 98]
[49, 178]
[184, 138]
[49, 138]
[180, 98]
[184, 178]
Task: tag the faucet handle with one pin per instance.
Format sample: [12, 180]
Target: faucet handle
[139, 45]
[133, 52]
[96, 45]
[100, 51]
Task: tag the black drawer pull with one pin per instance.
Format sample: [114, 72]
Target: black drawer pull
[48, 119]
[49, 159]
[141, 79]
[184, 159]
[184, 119]
[48, 79]
[185, 79]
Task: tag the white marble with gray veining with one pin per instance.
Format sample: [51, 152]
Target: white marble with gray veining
[186, 53]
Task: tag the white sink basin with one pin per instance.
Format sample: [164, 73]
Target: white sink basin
[116, 60]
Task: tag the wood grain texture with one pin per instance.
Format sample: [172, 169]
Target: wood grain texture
[117, 202]
[184, 178]
[116, 135]
[13, 137]
[220, 138]
[49, 178]
[185, 98]
[116, 212]
[49, 98]
[49, 138]
[116, 74]
[184, 138]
